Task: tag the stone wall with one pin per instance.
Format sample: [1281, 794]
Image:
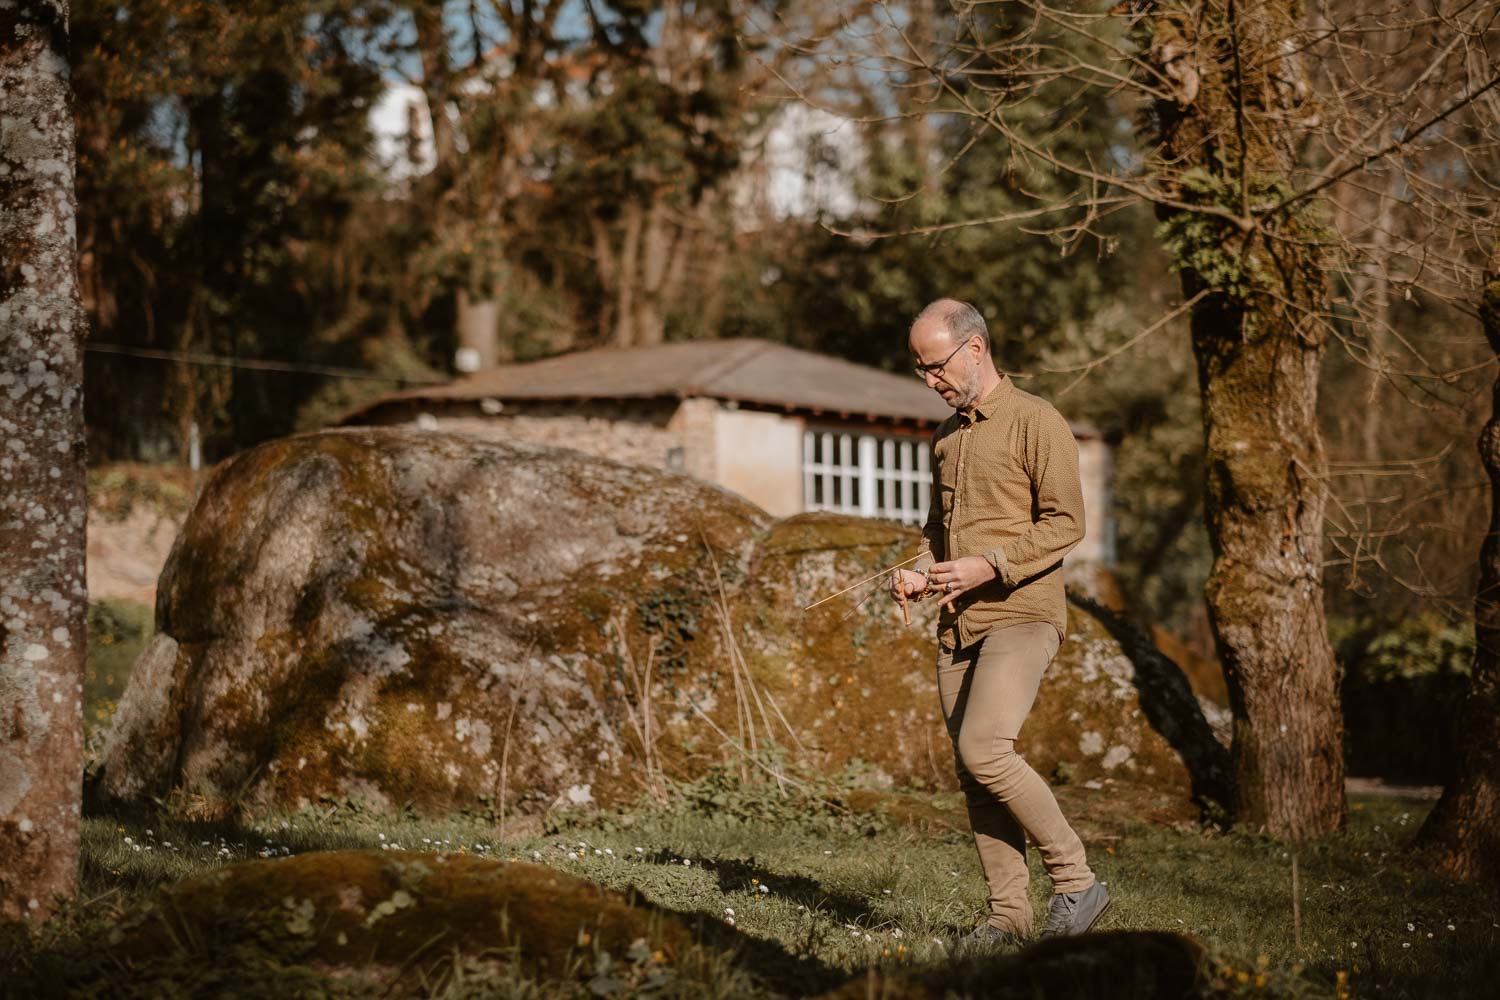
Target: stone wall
[633, 432]
[627, 441]
[709, 440]
[694, 424]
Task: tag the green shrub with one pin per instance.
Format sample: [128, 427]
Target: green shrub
[1403, 685]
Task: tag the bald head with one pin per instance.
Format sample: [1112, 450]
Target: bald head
[951, 347]
[958, 320]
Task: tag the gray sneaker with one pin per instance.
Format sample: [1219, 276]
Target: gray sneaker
[985, 937]
[1076, 912]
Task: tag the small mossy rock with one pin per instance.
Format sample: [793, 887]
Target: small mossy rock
[1115, 965]
[403, 618]
[384, 917]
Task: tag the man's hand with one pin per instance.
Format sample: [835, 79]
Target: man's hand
[906, 584]
[956, 578]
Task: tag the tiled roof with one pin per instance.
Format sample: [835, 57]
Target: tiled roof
[756, 372]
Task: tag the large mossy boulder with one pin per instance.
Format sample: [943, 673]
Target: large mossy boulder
[412, 619]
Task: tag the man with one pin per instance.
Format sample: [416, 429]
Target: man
[1006, 507]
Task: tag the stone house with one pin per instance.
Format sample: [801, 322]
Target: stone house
[788, 429]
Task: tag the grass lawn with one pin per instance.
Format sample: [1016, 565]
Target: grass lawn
[818, 892]
[802, 893]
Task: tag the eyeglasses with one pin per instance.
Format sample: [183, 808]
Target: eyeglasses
[925, 370]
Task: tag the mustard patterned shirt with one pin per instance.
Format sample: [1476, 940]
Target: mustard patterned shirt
[1005, 486]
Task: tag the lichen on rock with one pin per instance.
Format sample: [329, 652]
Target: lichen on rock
[407, 619]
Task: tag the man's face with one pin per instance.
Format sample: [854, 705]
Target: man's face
[958, 381]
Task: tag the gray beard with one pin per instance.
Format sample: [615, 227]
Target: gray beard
[967, 398]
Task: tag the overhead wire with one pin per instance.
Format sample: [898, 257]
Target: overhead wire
[257, 364]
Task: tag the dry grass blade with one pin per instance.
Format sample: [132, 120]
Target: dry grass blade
[640, 707]
[748, 700]
[856, 586]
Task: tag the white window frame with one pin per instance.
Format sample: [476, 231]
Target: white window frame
[865, 474]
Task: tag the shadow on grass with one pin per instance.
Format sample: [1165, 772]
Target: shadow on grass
[161, 867]
[766, 961]
[793, 973]
[1115, 965]
[742, 876]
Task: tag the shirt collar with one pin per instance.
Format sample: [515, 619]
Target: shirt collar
[986, 407]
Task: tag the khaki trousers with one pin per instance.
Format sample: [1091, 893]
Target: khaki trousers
[987, 690]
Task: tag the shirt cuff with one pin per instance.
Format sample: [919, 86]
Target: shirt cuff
[997, 559]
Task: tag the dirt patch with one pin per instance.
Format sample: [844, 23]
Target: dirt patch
[135, 512]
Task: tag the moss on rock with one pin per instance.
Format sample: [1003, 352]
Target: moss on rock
[393, 921]
[416, 620]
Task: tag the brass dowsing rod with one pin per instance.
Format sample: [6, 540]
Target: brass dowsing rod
[866, 580]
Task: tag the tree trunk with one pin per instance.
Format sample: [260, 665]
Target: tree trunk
[627, 275]
[608, 270]
[432, 46]
[1229, 144]
[478, 327]
[921, 131]
[43, 601]
[656, 253]
[1462, 836]
[1265, 509]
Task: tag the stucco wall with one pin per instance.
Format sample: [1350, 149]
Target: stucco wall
[759, 456]
[1095, 469]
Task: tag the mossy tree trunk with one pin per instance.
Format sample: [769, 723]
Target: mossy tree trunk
[1228, 139]
[42, 494]
[1463, 833]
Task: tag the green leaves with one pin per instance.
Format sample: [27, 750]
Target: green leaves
[1215, 251]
